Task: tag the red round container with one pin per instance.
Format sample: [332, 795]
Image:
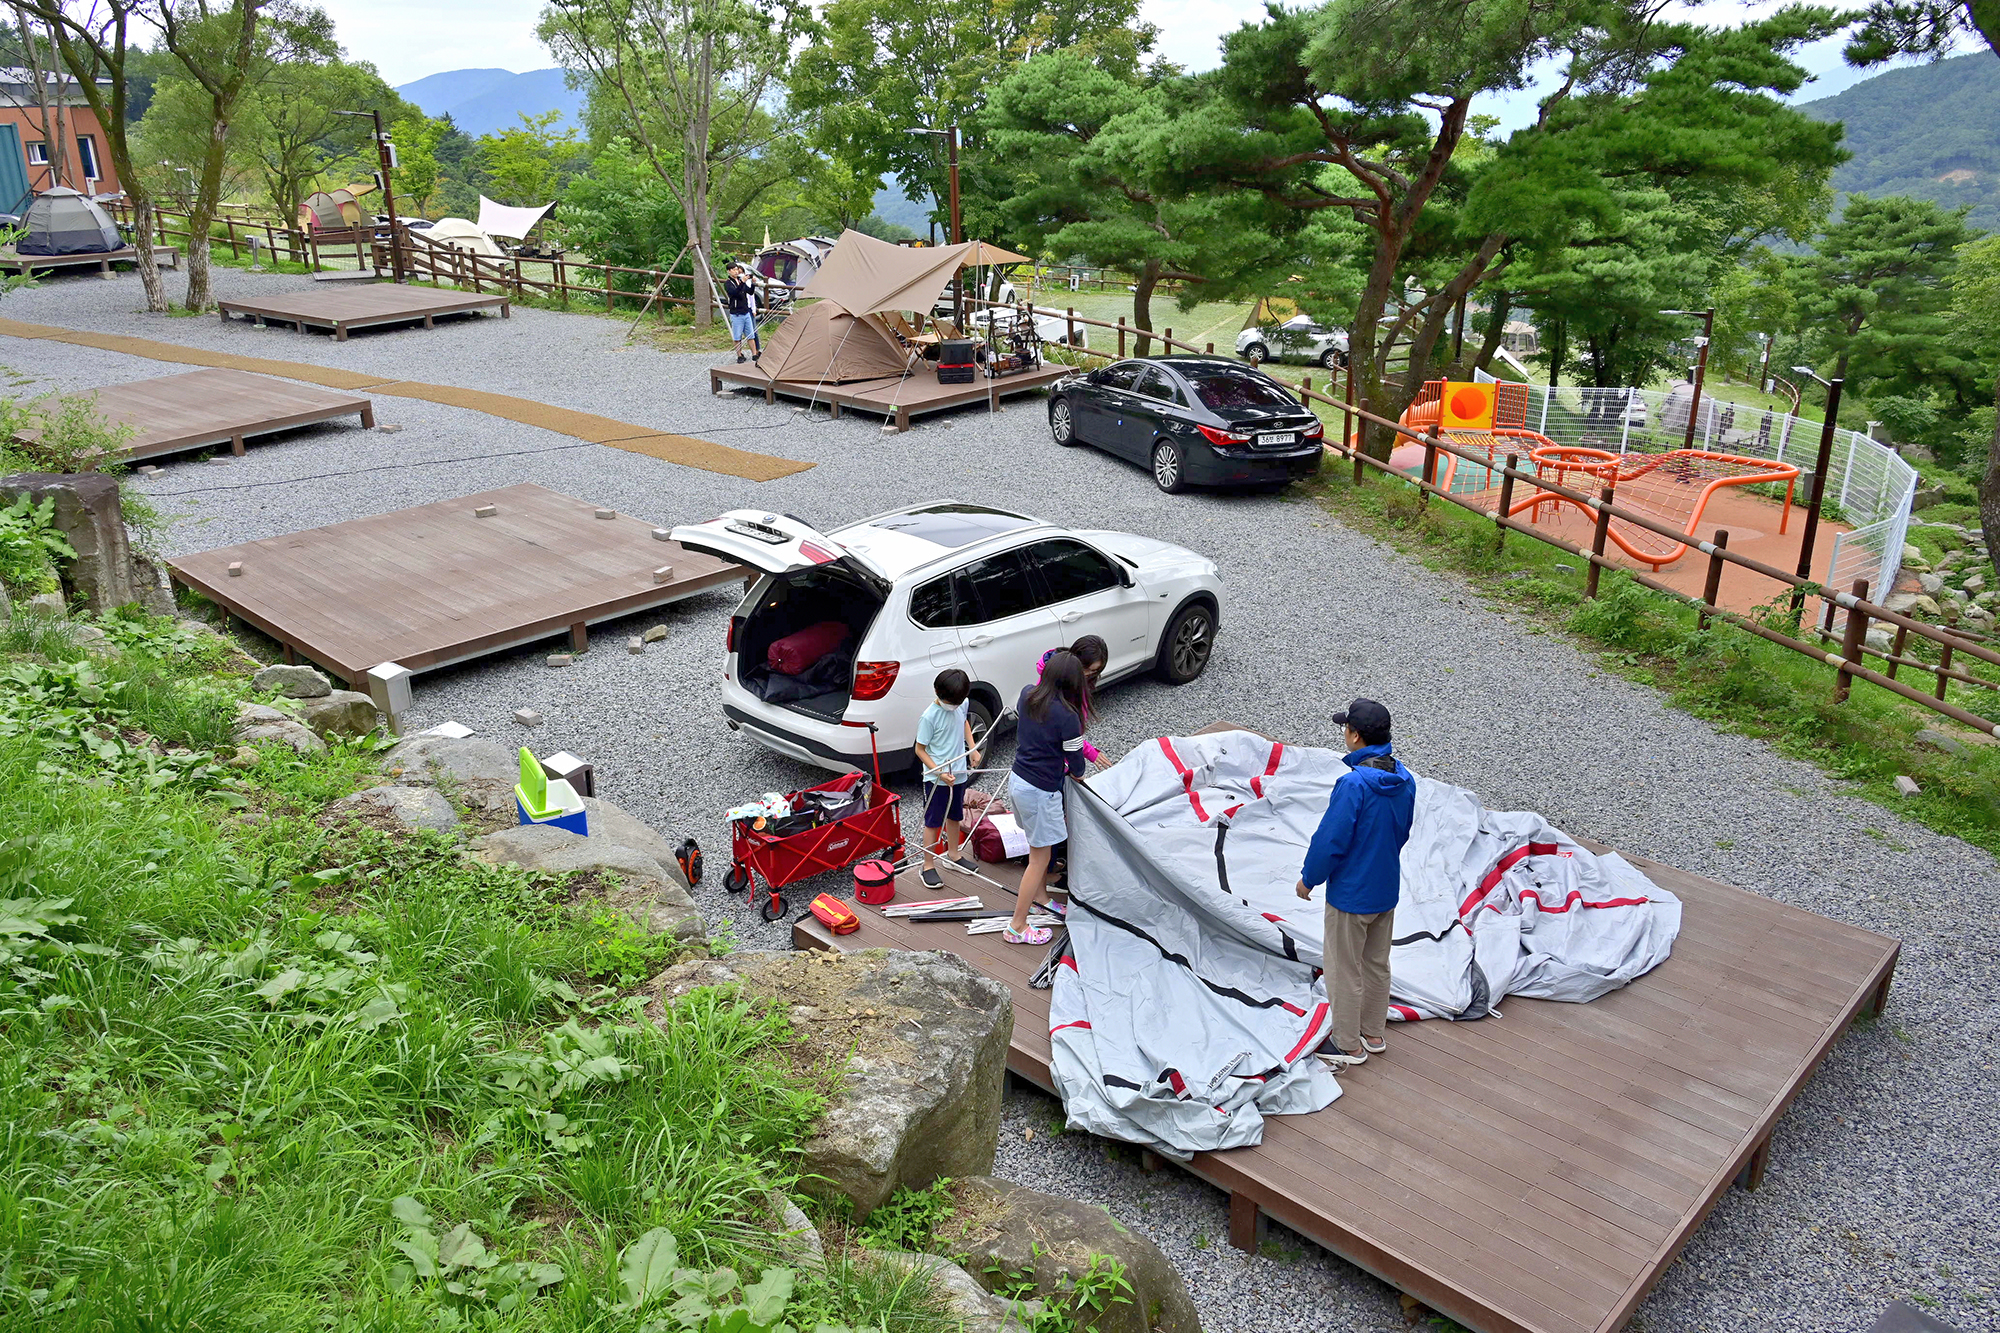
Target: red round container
[874, 882]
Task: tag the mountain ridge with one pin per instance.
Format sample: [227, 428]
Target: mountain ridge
[488, 101]
[1926, 131]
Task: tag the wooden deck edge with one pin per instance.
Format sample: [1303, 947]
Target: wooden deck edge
[360, 407]
[987, 391]
[465, 650]
[1751, 1156]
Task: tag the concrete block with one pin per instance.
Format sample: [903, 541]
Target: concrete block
[662, 535]
[388, 430]
[147, 470]
[664, 574]
[527, 717]
[635, 644]
[235, 569]
[561, 659]
[486, 511]
[1906, 785]
[218, 458]
[607, 513]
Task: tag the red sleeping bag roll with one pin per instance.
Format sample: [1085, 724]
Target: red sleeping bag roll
[795, 653]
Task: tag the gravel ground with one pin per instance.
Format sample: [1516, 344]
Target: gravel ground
[1882, 1182]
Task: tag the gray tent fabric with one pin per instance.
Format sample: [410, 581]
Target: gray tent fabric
[820, 343]
[62, 222]
[1189, 1002]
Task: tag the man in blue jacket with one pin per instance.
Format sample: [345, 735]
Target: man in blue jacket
[1358, 853]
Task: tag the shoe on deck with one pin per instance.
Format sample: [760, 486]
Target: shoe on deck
[739, 358]
[931, 879]
[1374, 1045]
[1032, 935]
[962, 866]
[1338, 1060]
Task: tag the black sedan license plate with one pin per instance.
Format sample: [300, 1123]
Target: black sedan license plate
[1277, 441]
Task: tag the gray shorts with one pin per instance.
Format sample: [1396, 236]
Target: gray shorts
[1039, 813]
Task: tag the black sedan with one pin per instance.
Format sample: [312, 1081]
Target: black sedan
[1192, 420]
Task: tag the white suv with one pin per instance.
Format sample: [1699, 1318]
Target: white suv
[929, 587]
[1297, 339]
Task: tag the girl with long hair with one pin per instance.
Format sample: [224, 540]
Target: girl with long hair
[1048, 750]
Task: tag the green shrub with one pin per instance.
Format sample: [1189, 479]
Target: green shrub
[30, 547]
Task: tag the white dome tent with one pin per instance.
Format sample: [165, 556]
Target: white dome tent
[458, 234]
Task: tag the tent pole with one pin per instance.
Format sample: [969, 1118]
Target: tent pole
[653, 296]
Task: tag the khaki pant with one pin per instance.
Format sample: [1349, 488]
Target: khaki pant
[1357, 974]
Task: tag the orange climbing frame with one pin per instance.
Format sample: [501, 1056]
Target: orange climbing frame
[1660, 485]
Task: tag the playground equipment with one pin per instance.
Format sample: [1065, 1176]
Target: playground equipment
[1674, 486]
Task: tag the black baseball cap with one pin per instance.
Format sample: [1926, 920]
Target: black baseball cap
[1369, 719]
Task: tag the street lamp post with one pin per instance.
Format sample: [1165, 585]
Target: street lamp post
[386, 156]
[950, 136]
[1707, 318]
[1820, 466]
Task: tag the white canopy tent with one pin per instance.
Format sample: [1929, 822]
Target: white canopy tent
[501, 220]
[458, 234]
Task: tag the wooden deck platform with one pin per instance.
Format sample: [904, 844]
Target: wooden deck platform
[436, 584]
[362, 306]
[12, 261]
[208, 407]
[894, 400]
[1536, 1172]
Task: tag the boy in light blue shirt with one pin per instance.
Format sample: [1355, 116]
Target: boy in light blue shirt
[945, 753]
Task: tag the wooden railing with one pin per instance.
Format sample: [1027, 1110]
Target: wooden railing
[1848, 663]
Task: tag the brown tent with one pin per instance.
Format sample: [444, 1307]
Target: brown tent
[864, 275]
[820, 343]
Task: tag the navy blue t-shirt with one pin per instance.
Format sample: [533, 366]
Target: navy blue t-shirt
[1044, 751]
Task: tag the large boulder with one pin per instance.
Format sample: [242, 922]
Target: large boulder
[261, 723]
[294, 682]
[406, 809]
[106, 573]
[608, 821]
[637, 887]
[341, 713]
[1008, 1231]
[925, 1039]
[417, 760]
[977, 1309]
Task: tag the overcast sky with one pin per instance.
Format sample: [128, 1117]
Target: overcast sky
[407, 41]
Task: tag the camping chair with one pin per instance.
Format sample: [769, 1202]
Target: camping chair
[545, 800]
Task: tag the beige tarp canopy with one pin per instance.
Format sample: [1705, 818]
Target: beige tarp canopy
[824, 344]
[864, 275]
[985, 254]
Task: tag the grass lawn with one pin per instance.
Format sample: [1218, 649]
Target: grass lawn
[263, 1069]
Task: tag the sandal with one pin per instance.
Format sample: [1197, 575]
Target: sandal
[1032, 935]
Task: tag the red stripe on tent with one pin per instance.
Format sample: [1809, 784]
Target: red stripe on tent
[1505, 864]
[1179, 1083]
[1079, 1023]
[1232, 810]
[1271, 916]
[1312, 1034]
[1576, 896]
[1277, 752]
[1291, 1008]
[1187, 779]
[1409, 1015]
[1069, 961]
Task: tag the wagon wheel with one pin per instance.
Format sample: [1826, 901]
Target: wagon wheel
[773, 907]
[736, 881]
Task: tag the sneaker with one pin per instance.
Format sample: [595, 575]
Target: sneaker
[931, 879]
[1338, 1060]
[1032, 935]
[756, 356]
[1374, 1045]
[962, 866]
[739, 358]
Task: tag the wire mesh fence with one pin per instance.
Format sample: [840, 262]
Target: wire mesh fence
[1868, 485]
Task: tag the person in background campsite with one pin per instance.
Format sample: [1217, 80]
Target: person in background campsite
[1048, 750]
[739, 302]
[1093, 652]
[1357, 853]
[944, 749]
